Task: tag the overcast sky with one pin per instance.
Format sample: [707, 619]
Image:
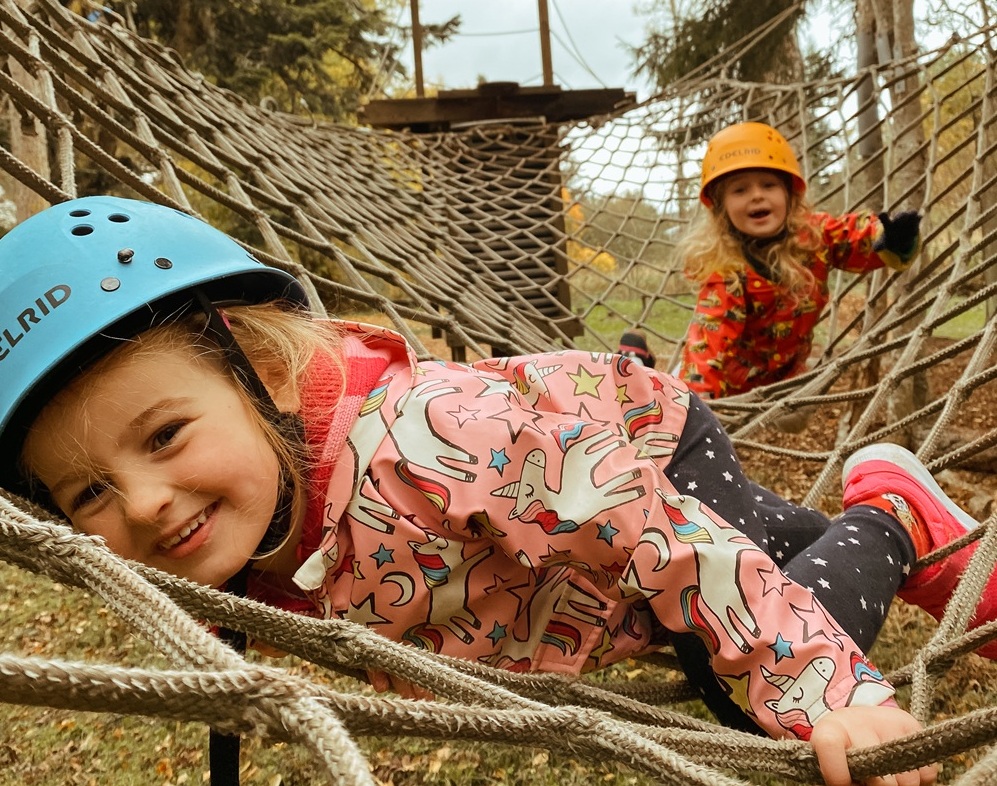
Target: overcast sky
[499, 41]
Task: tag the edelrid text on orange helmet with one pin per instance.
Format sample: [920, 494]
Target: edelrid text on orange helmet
[748, 146]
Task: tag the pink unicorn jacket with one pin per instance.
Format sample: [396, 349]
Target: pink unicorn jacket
[515, 512]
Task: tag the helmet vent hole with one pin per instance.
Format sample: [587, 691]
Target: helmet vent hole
[118, 218]
[79, 213]
[163, 263]
[82, 230]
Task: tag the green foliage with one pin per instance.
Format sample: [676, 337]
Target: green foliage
[274, 48]
[684, 40]
[711, 28]
[316, 56]
[628, 227]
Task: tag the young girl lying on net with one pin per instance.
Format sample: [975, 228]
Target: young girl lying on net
[555, 512]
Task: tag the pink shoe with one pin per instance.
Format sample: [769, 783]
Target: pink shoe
[893, 472]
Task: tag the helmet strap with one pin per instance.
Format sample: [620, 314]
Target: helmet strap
[754, 250]
[219, 331]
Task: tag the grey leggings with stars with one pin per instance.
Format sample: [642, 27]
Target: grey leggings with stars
[853, 563]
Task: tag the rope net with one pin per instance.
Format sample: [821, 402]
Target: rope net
[508, 237]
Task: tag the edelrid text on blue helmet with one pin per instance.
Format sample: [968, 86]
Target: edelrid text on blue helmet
[88, 266]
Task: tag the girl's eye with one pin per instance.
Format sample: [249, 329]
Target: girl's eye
[166, 435]
[87, 496]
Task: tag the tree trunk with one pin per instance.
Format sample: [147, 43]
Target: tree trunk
[905, 183]
[988, 195]
[868, 179]
[870, 147]
[786, 67]
[190, 28]
[28, 142]
[894, 42]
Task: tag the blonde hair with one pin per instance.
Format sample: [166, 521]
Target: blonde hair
[283, 343]
[713, 246]
[280, 344]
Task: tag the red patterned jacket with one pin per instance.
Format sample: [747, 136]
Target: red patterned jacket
[748, 332]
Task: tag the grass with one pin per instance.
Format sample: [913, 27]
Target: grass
[665, 318]
[965, 324]
[608, 319]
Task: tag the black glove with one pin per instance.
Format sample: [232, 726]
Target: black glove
[900, 233]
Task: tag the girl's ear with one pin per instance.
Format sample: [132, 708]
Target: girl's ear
[283, 393]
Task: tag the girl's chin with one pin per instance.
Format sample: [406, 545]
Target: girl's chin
[764, 234]
[208, 575]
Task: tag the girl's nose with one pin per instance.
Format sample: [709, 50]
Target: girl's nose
[146, 497]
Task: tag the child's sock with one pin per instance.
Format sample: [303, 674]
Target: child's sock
[897, 507]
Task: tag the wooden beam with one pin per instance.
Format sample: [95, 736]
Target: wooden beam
[494, 101]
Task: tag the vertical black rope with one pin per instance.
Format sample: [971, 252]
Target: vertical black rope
[223, 758]
[223, 749]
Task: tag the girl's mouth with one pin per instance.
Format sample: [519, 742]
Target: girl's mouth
[186, 532]
[757, 214]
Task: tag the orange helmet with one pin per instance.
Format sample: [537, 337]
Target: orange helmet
[748, 146]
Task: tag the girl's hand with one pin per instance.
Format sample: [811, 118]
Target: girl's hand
[861, 727]
[382, 682]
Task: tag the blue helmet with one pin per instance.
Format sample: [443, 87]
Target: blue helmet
[85, 273]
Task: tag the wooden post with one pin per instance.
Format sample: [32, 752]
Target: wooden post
[420, 88]
[545, 58]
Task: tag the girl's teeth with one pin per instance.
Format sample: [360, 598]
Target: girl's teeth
[185, 532]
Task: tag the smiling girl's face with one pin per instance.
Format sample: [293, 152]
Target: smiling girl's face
[159, 454]
[756, 202]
